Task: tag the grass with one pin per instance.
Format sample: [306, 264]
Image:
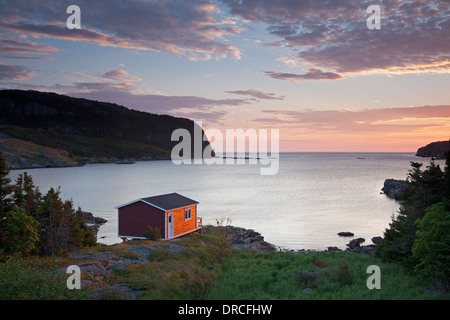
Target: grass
[343, 276]
[196, 273]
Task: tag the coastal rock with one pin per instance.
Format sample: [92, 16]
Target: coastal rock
[355, 243]
[376, 240]
[248, 239]
[394, 188]
[333, 249]
[346, 234]
[89, 217]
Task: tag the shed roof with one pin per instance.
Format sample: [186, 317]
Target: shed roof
[169, 201]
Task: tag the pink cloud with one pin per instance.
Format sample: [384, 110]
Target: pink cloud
[10, 73]
[121, 75]
[332, 35]
[401, 119]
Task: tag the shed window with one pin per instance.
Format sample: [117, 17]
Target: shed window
[187, 214]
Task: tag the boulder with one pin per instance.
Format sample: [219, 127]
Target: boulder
[346, 234]
[333, 249]
[394, 188]
[355, 243]
[376, 240]
[305, 277]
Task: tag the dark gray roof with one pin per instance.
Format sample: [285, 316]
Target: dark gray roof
[170, 201]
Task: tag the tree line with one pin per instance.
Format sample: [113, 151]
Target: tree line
[36, 223]
[419, 235]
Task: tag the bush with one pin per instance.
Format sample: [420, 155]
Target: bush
[220, 244]
[432, 246]
[342, 275]
[153, 233]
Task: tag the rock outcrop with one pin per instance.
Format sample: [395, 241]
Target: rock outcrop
[248, 239]
[394, 188]
[435, 150]
[346, 234]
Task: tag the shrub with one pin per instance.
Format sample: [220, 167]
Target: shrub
[342, 275]
[153, 233]
[220, 244]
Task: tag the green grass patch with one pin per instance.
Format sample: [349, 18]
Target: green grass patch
[342, 275]
[194, 272]
[21, 279]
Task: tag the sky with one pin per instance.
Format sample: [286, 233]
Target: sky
[313, 70]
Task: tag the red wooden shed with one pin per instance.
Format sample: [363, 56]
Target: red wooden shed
[175, 215]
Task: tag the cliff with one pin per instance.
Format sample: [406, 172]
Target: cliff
[435, 149]
[42, 129]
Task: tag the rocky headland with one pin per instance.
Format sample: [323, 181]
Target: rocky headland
[434, 150]
[45, 129]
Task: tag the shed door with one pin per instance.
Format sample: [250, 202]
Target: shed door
[170, 225]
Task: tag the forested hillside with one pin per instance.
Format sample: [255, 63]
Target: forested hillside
[46, 127]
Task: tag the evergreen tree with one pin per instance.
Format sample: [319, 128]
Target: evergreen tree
[23, 208]
[81, 235]
[51, 217]
[432, 247]
[446, 182]
[424, 189]
[5, 187]
[26, 195]
[63, 227]
[18, 232]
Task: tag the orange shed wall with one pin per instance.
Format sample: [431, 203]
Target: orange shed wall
[180, 225]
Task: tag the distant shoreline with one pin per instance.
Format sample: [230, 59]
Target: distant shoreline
[113, 160]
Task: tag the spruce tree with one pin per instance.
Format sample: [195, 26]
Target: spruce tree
[5, 187]
[424, 188]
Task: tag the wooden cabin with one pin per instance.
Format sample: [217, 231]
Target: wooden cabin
[173, 214]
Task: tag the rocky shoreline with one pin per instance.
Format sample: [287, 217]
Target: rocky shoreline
[242, 238]
[97, 268]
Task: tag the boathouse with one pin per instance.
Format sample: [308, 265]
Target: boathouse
[173, 214]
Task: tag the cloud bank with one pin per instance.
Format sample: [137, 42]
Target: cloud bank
[332, 36]
[195, 29]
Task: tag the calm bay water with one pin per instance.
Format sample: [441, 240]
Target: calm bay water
[311, 198]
